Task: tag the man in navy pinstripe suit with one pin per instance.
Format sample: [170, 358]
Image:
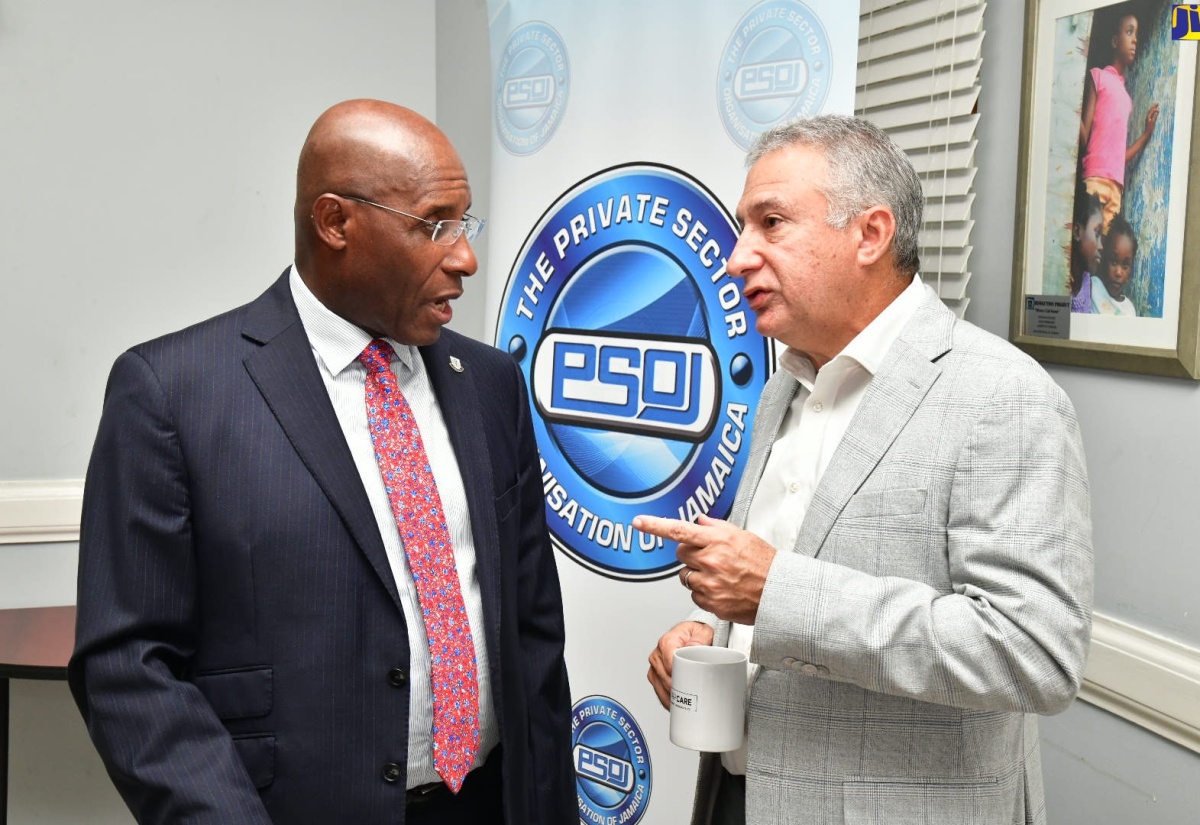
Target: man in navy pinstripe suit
[250, 646]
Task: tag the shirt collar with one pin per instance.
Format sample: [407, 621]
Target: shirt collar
[870, 346]
[336, 341]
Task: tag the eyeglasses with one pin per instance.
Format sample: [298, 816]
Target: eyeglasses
[444, 233]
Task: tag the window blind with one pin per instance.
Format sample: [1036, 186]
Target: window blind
[918, 80]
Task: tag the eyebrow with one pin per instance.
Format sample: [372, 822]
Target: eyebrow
[439, 211]
[767, 203]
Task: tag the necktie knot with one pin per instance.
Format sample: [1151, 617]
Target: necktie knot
[377, 356]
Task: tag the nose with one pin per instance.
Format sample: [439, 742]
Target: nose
[460, 257]
[743, 260]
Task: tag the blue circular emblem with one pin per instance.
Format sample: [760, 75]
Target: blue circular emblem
[532, 86]
[642, 361]
[775, 67]
[612, 763]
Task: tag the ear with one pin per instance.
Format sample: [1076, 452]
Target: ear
[329, 221]
[877, 229]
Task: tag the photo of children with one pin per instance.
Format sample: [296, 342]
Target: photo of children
[1115, 79]
[1104, 123]
[1116, 263]
[1087, 233]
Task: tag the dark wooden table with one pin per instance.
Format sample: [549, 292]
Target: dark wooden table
[35, 643]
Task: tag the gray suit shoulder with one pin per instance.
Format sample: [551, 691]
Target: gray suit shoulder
[988, 355]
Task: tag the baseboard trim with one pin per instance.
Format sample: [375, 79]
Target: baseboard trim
[1145, 678]
[38, 512]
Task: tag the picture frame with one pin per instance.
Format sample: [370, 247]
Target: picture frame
[1077, 62]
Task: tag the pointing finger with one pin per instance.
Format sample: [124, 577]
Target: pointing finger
[683, 532]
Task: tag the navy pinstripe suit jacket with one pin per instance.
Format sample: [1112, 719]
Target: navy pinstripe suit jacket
[241, 647]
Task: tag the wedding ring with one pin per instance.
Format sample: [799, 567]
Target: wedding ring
[687, 575]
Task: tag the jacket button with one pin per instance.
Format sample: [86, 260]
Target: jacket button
[391, 772]
[397, 677]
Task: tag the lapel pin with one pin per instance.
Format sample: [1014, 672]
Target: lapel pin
[455, 364]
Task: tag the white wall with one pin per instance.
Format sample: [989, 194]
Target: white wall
[464, 99]
[147, 164]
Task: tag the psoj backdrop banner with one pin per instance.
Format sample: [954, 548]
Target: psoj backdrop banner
[619, 132]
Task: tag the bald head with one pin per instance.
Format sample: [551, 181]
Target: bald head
[367, 148]
[373, 183]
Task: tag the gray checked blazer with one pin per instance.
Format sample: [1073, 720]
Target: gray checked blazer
[938, 597]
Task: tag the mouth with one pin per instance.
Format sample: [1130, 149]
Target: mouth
[441, 305]
[756, 297]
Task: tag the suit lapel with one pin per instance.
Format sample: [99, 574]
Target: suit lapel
[908, 372]
[459, 403]
[287, 375]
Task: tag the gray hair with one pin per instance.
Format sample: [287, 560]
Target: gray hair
[866, 168]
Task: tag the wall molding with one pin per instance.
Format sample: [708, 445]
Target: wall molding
[1145, 678]
[1142, 677]
[38, 512]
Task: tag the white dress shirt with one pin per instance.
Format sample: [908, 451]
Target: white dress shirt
[336, 345]
[809, 435]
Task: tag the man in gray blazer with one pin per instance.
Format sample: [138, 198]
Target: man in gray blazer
[908, 563]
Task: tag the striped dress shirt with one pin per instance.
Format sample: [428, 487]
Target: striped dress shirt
[336, 345]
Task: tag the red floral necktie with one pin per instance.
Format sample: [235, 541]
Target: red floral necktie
[413, 494]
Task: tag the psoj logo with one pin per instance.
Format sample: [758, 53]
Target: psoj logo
[775, 67]
[612, 763]
[643, 385]
[533, 83]
[1185, 22]
[641, 358]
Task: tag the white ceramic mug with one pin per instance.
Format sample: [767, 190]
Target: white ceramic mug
[708, 698]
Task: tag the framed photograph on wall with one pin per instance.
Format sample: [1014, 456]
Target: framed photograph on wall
[1107, 258]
